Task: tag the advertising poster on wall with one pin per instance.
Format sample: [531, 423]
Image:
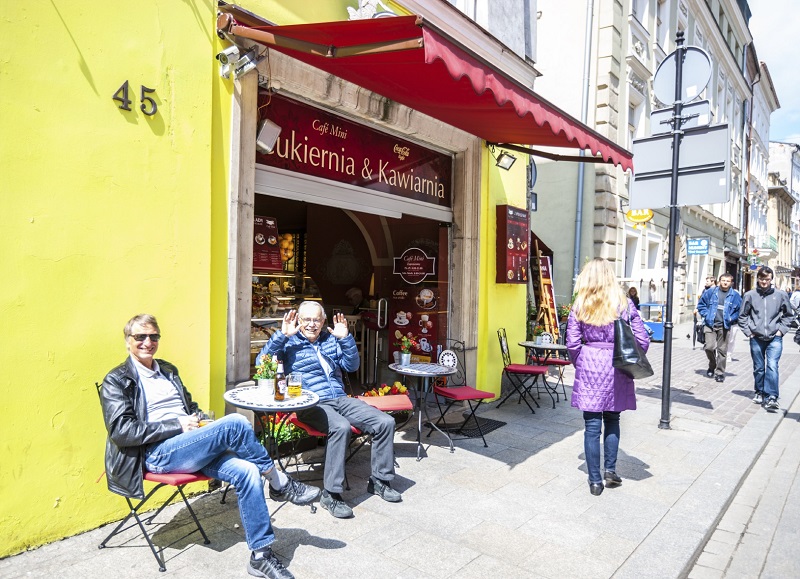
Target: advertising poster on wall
[414, 308]
[266, 249]
[512, 244]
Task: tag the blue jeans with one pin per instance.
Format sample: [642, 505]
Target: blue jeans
[228, 450]
[591, 442]
[766, 354]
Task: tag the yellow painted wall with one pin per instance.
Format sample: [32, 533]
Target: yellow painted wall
[501, 305]
[105, 214]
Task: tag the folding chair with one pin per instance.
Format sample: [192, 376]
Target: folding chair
[174, 480]
[390, 403]
[520, 374]
[552, 361]
[454, 389]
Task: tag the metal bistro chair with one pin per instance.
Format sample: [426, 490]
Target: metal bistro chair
[454, 389]
[523, 377]
[559, 362]
[389, 403]
[174, 480]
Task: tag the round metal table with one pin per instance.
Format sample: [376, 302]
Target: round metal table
[424, 372]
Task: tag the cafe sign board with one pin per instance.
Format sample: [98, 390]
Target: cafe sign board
[512, 252]
[639, 215]
[414, 265]
[316, 142]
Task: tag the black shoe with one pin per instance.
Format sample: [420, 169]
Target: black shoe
[772, 404]
[295, 492]
[335, 505]
[612, 479]
[596, 489]
[710, 373]
[268, 566]
[720, 377]
[384, 490]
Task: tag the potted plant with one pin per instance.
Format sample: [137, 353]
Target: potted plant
[538, 330]
[265, 372]
[563, 312]
[405, 344]
[289, 439]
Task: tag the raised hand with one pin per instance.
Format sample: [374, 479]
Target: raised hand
[290, 325]
[339, 329]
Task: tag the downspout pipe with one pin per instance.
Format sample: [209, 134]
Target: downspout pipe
[587, 56]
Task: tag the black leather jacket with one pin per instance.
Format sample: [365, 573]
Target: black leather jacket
[125, 415]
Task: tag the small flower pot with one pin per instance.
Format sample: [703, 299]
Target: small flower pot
[405, 359]
[269, 384]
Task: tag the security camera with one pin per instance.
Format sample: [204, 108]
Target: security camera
[229, 55]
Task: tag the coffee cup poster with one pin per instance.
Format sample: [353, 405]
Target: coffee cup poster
[414, 305]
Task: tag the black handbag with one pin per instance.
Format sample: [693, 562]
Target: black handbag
[629, 357]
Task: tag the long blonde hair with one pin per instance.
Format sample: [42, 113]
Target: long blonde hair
[600, 298]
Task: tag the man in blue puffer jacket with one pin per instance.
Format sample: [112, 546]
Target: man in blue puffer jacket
[320, 355]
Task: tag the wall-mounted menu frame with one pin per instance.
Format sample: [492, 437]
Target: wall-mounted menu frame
[512, 244]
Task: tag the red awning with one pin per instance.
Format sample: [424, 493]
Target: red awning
[407, 60]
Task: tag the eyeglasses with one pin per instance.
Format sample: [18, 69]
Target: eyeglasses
[311, 321]
[143, 337]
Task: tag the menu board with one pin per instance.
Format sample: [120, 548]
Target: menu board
[415, 306]
[266, 249]
[512, 244]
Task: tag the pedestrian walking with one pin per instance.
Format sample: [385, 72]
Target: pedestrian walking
[634, 295]
[599, 390]
[719, 307]
[711, 282]
[765, 318]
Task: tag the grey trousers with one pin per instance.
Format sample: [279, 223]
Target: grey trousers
[335, 416]
[716, 348]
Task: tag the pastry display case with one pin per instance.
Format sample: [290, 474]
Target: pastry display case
[274, 294]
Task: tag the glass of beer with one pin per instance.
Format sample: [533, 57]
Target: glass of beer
[207, 419]
[294, 384]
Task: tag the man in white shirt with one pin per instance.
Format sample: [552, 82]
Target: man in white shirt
[153, 424]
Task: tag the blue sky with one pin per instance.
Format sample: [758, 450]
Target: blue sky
[775, 26]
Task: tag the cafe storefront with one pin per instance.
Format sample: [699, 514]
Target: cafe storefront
[386, 175]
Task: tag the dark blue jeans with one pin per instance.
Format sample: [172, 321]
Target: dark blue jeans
[766, 354]
[228, 450]
[591, 442]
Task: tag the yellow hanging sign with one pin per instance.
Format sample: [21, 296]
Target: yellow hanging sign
[639, 215]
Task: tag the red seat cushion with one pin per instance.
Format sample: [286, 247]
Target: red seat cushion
[557, 362]
[462, 393]
[525, 369]
[176, 478]
[310, 430]
[390, 403]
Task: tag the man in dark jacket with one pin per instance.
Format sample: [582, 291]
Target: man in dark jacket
[719, 307]
[305, 346]
[765, 318]
[153, 424]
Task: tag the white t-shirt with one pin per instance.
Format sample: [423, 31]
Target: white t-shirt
[161, 395]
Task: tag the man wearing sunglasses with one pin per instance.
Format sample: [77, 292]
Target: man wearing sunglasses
[321, 355]
[153, 424]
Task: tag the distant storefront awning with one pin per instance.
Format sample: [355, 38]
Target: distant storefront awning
[408, 60]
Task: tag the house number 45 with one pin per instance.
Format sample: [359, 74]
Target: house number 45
[148, 106]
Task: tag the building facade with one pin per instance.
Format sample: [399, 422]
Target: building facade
[784, 159]
[757, 204]
[144, 181]
[622, 45]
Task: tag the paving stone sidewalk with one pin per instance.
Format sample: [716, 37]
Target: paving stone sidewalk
[519, 508]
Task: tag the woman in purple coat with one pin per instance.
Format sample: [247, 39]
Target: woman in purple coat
[601, 391]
